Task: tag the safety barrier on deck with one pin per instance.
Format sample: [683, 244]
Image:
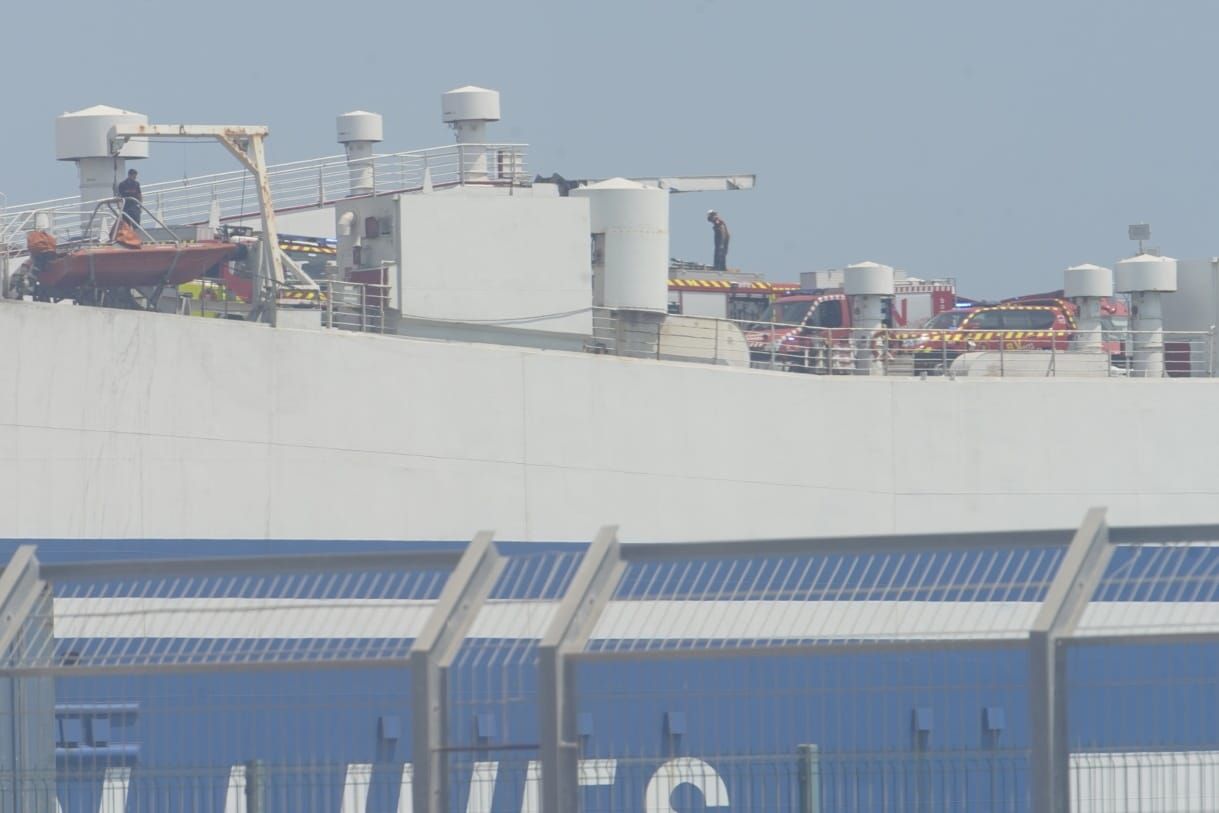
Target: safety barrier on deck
[296, 185]
[904, 352]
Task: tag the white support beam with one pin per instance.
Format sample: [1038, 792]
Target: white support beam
[689, 183]
[591, 588]
[128, 131]
[1068, 595]
[432, 654]
[702, 183]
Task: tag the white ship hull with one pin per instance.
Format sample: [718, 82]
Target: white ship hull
[118, 424]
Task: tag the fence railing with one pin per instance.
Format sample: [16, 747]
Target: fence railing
[358, 306]
[1124, 353]
[1007, 671]
[296, 185]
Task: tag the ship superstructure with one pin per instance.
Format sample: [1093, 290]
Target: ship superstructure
[470, 347]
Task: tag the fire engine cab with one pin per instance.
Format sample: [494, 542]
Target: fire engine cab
[1036, 322]
[996, 327]
[811, 331]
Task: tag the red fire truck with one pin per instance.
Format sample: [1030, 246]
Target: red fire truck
[811, 331]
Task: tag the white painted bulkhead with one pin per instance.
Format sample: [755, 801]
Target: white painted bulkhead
[521, 259]
[149, 426]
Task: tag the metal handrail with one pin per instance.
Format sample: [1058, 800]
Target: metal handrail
[356, 306]
[297, 185]
[901, 351]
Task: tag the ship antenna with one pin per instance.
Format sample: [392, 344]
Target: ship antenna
[1139, 232]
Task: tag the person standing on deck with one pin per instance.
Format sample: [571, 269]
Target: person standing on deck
[719, 230]
[129, 191]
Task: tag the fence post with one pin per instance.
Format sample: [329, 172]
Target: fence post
[256, 786]
[431, 654]
[1210, 353]
[27, 704]
[590, 590]
[810, 778]
[1068, 595]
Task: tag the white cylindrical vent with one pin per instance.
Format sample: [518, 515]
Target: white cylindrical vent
[469, 104]
[360, 125]
[86, 133]
[630, 225]
[84, 137]
[1145, 272]
[358, 131]
[1145, 278]
[1088, 286]
[867, 279]
[467, 110]
[1088, 281]
[99, 177]
[867, 286]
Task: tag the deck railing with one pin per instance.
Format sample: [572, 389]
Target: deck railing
[796, 348]
[296, 185]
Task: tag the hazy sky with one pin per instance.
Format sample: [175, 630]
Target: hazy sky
[993, 142]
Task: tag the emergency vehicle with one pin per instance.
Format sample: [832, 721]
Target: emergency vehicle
[738, 300]
[989, 327]
[1035, 322]
[811, 331]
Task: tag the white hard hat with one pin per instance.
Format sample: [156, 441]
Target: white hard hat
[711, 212]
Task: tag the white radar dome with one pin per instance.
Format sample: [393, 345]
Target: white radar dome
[86, 133]
[359, 125]
[470, 103]
[1087, 280]
[1146, 272]
[867, 279]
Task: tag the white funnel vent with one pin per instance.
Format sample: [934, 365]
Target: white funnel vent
[358, 131]
[867, 286]
[84, 138]
[469, 108]
[1088, 286]
[1145, 278]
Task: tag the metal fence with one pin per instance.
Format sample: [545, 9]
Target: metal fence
[357, 306]
[906, 352]
[296, 185]
[1022, 671]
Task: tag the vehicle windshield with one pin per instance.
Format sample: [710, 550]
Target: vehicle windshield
[946, 320]
[788, 313]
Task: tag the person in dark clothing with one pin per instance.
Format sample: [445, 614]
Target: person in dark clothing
[129, 191]
[720, 231]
